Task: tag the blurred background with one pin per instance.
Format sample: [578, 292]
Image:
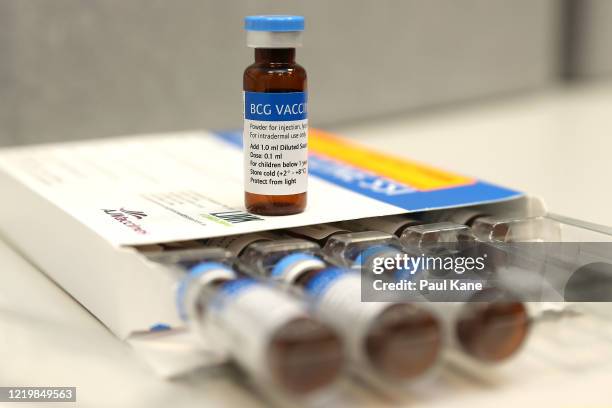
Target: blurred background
[74, 69]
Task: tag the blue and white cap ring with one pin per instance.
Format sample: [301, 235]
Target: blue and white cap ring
[197, 277]
[274, 31]
[292, 266]
[274, 23]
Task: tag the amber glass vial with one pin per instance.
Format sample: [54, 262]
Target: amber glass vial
[275, 118]
[302, 355]
[493, 331]
[402, 343]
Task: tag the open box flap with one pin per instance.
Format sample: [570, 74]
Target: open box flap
[171, 187]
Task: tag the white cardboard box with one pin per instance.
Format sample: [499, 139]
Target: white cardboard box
[76, 209]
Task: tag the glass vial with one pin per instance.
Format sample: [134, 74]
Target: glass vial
[275, 118]
[286, 348]
[387, 343]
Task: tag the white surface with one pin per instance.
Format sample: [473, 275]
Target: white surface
[160, 176]
[556, 145]
[46, 338]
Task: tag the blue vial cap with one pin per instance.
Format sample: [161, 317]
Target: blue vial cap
[159, 327]
[274, 23]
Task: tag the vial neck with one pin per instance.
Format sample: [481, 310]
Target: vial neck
[217, 283]
[275, 55]
[308, 275]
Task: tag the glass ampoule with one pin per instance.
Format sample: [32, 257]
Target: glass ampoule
[275, 136]
[492, 325]
[390, 224]
[387, 342]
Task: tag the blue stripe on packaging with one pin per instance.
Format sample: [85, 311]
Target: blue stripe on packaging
[391, 192]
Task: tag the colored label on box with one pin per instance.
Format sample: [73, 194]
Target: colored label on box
[143, 190]
[393, 180]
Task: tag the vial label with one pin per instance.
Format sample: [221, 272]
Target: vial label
[338, 302]
[245, 315]
[204, 273]
[275, 142]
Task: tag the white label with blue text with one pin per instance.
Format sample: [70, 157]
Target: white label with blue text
[275, 142]
[243, 318]
[337, 295]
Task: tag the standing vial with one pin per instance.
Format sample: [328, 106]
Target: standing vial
[275, 118]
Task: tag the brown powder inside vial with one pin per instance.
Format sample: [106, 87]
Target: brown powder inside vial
[404, 342]
[493, 331]
[275, 71]
[305, 355]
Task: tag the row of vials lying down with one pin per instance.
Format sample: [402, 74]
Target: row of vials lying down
[287, 305]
